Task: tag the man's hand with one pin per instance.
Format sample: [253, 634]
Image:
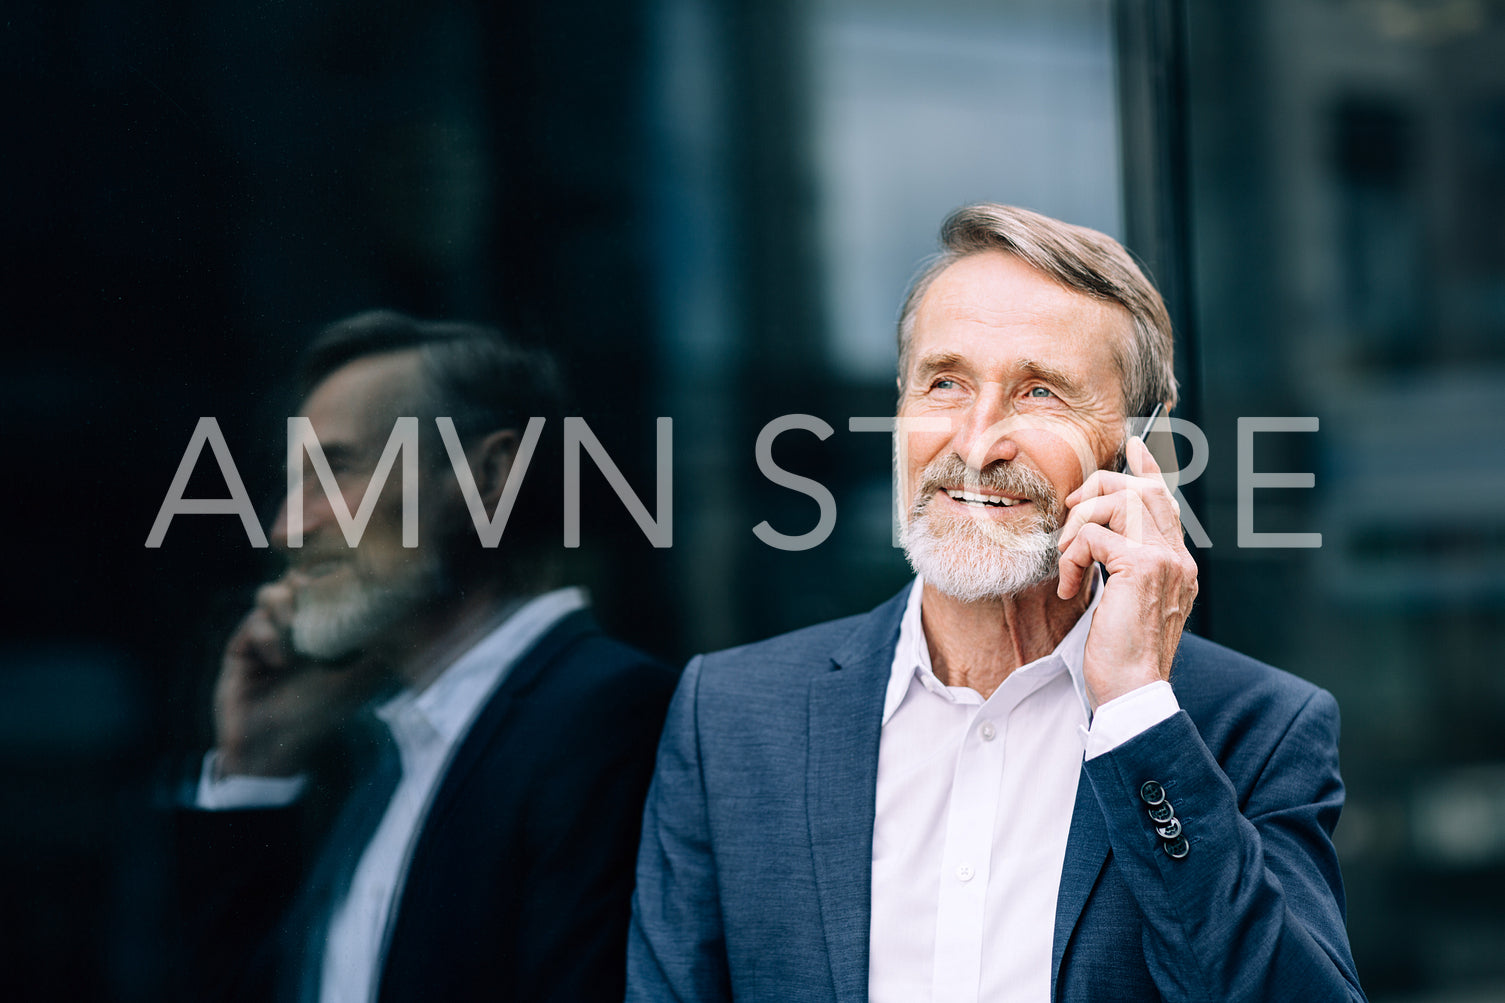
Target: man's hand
[1132, 525]
[272, 709]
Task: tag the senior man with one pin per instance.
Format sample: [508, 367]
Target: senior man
[488, 854]
[1017, 780]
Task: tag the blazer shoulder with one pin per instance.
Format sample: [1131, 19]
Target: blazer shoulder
[600, 654]
[775, 673]
[1206, 667]
[579, 669]
[808, 650]
[1231, 696]
[817, 642]
[601, 670]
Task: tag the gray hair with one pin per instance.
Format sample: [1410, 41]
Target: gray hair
[1079, 258]
[476, 375]
[486, 382]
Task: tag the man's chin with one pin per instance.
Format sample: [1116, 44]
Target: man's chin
[970, 591]
[334, 644]
[970, 567]
[347, 610]
[993, 592]
[338, 625]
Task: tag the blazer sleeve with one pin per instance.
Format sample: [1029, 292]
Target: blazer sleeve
[1253, 912]
[237, 875]
[676, 947]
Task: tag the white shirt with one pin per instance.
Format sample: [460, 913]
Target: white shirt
[974, 805]
[427, 726]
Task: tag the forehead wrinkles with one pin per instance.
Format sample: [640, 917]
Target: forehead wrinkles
[997, 290]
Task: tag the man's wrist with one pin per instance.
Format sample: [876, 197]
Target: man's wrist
[222, 790]
[1126, 716]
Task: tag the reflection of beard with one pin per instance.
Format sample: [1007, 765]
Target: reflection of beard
[335, 621]
[973, 558]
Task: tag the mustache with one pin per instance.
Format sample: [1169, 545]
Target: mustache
[1000, 477]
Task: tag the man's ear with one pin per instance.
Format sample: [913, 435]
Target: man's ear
[491, 462]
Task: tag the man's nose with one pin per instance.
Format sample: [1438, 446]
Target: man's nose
[985, 433]
[278, 532]
[314, 513]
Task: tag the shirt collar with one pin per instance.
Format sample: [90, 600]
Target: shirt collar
[444, 709]
[912, 653]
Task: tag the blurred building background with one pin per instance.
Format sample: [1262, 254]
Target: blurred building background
[710, 208]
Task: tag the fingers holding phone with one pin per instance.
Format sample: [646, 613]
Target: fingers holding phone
[1130, 523]
[274, 710]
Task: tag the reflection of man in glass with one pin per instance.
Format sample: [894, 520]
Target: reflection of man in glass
[486, 851]
[1015, 781]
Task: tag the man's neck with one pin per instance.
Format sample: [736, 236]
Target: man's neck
[435, 638]
[979, 644]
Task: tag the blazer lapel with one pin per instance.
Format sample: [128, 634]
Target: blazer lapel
[1086, 853]
[846, 712]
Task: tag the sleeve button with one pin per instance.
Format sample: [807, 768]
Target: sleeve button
[1178, 848]
[1151, 793]
[1170, 830]
[1162, 813]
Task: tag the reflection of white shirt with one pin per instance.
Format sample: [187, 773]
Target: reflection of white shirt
[974, 806]
[427, 726]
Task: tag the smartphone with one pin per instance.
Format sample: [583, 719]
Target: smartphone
[1143, 433]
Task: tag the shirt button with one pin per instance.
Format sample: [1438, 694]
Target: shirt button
[987, 731]
[965, 873]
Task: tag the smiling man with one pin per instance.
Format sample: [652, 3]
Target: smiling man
[488, 853]
[1017, 780]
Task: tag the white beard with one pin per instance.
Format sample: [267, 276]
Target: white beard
[975, 559]
[331, 624]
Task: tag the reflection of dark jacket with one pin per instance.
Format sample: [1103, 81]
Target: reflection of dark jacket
[520, 879]
[755, 871]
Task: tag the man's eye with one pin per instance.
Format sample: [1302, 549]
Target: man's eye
[943, 384]
[1040, 392]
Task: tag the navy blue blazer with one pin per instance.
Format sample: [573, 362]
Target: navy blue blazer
[754, 875]
[520, 878]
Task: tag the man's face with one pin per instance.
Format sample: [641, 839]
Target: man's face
[1022, 370]
[347, 598]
